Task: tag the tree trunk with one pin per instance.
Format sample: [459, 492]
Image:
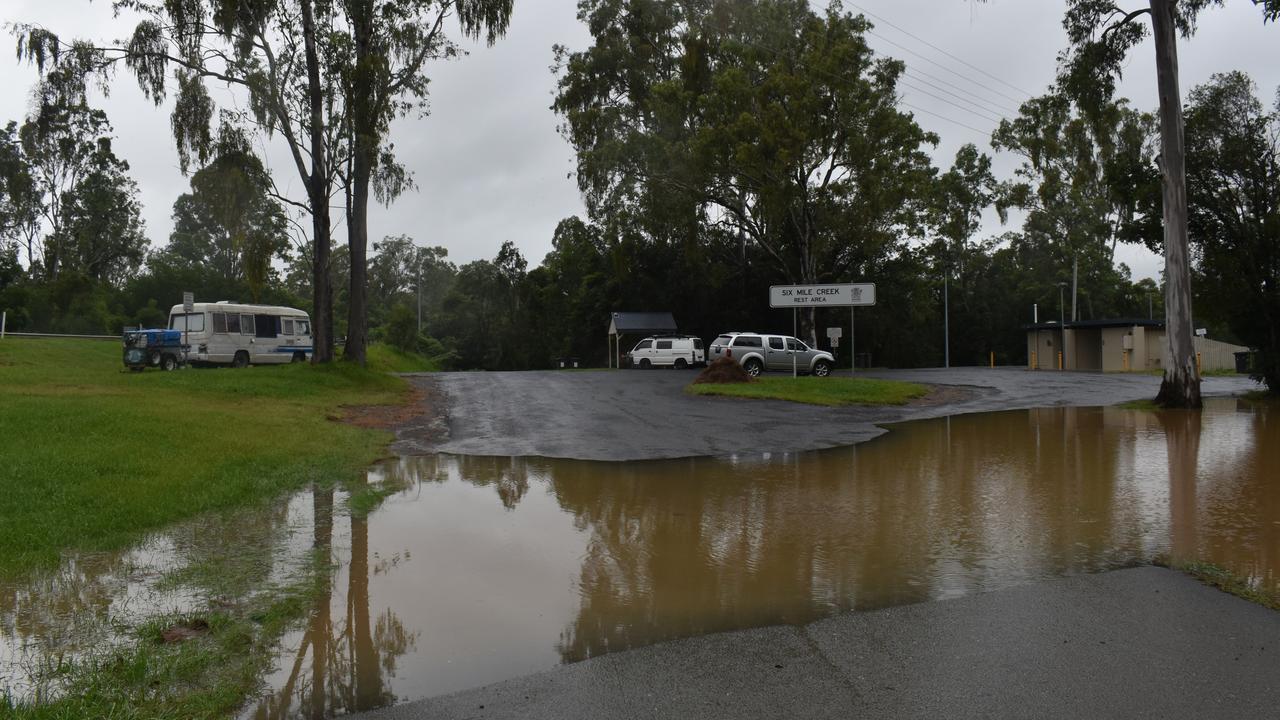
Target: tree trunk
[1181, 386]
[318, 198]
[364, 141]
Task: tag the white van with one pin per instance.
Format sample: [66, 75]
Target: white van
[677, 351]
[239, 335]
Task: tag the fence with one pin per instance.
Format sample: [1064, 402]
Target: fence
[4, 320]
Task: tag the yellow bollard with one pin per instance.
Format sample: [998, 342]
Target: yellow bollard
[1059, 359]
[1034, 364]
[1125, 355]
[993, 359]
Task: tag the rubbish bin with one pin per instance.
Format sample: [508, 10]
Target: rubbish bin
[1245, 361]
[560, 363]
[574, 362]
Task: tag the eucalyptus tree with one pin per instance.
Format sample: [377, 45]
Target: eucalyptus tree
[385, 45]
[269, 51]
[229, 223]
[1085, 182]
[19, 198]
[761, 118]
[1101, 35]
[1233, 188]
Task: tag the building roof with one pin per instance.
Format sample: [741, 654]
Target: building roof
[1097, 324]
[642, 322]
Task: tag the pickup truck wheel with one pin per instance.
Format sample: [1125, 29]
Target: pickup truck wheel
[644, 364]
[753, 367]
[822, 368]
[681, 364]
[168, 362]
[240, 360]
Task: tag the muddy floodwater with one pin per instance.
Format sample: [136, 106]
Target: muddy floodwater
[479, 569]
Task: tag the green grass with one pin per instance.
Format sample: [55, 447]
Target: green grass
[1138, 405]
[384, 358]
[819, 391]
[1224, 580]
[94, 456]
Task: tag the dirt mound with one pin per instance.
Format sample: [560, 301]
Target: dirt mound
[722, 371]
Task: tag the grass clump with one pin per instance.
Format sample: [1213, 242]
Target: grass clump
[1138, 405]
[1224, 580]
[95, 456]
[831, 391]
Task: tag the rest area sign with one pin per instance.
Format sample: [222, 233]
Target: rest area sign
[843, 295]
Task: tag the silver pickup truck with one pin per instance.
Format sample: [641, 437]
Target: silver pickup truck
[758, 352]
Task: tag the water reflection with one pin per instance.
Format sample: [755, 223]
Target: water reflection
[343, 656]
[480, 569]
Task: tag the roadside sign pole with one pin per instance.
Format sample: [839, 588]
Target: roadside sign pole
[793, 352]
[853, 345]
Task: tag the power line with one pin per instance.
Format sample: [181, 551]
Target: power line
[961, 98]
[926, 93]
[914, 70]
[944, 67]
[983, 133]
[830, 76]
[944, 52]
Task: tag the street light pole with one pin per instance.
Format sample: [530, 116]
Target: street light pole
[419, 299]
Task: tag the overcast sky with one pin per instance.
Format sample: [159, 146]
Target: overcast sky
[490, 165]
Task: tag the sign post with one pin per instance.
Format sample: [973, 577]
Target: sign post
[848, 295]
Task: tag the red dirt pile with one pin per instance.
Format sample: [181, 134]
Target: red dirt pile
[722, 371]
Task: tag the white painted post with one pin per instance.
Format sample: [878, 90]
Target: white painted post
[4, 320]
[794, 372]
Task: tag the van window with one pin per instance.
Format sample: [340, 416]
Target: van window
[286, 326]
[723, 340]
[697, 343]
[775, 343]
[233, 324]
[664, 344]
[302, 327]
[267, 326]
[644, 345]
[246, 324]
[219, 322]
[747, 341]
[193, 322]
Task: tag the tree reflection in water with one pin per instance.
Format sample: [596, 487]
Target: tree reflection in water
[340, 664]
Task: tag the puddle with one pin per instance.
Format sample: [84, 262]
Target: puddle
[482, 569]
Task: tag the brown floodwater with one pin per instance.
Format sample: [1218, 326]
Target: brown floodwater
[479, 569]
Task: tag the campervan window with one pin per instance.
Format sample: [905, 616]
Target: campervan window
[193, 322]
[246, 324]
[303, 327]
[287, 326]
[267, 326]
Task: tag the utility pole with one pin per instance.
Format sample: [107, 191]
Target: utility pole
[946, 324]
[419, 298]
[1062, 313]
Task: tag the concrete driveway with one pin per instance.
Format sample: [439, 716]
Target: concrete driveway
[1138, 643]
[644, 415]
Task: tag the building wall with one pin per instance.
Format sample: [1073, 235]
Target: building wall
[1155, 349]
[1215, 354]
[1088, 349]
[1112, 348]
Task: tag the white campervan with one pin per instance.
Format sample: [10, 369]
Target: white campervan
[239, 335]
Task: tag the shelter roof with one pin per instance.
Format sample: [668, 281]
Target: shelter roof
[642, 322]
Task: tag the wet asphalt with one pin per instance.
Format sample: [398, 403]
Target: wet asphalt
[1137, 643]
[645, 414]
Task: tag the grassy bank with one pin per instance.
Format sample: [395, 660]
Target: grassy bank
[818, 391]
[96, 456]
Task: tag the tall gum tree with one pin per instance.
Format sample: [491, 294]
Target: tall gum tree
[386, 45]
[761, 118]
[272, 51]
[1101, 34]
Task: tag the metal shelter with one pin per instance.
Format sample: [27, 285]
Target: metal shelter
[635, 323]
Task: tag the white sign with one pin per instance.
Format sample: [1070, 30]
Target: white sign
[188, 301]
[843, 295]
[835, 333]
